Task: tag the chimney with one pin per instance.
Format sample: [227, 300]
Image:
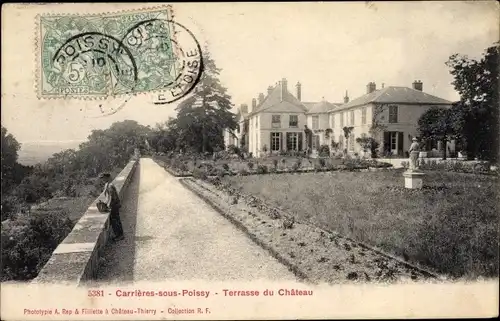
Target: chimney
[299, 91]
[371, 87]
[269, 89]
[244, 108]
[254, 103]
[283, 88]
[417, 85]
[346, 98]
[261, 98]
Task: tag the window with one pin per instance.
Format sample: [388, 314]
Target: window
[276, 121]
[393, 114]
[294, 121]
[275, 141]
[315, 122]
[352, 117]
[292, 141]
[363, 116]
[341, 119]
[394, 138]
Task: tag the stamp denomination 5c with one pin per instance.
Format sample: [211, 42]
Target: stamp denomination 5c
[96, 56]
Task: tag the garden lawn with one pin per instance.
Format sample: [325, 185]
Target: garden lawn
[451, 225]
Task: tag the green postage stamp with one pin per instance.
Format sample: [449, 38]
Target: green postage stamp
[101, 55]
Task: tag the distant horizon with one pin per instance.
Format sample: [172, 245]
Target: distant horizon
[53, 141]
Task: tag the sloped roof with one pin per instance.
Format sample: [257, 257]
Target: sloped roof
[393, 94]
[321, 107]
[309, 105]
[276, 103]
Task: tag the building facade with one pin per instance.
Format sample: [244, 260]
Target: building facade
[277, 121]
[390, 115]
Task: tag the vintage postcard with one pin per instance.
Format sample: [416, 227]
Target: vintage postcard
[210, 161]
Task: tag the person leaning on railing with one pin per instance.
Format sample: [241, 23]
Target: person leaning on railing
[114, 205]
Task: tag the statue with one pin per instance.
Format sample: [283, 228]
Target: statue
[414, 151]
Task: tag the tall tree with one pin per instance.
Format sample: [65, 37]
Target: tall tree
[477, 111]
[202, 117]
[436, 125]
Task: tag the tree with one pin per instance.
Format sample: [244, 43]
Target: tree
[476, 114]
[10, 147]
[436, 125]
[206, 113]
[368, 144]
[347, 133]
[110, 148]
[377, 128]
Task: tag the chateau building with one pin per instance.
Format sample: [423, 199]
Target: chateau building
[276, 121]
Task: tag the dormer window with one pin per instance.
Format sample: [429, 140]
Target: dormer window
[294, 121]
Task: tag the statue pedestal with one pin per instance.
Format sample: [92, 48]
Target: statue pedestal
[413, 179]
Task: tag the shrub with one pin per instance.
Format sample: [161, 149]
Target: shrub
[482, 167]
[232, 149]
[200, 173]
[275, 163]
[250, 165]
[405, 164]
[317, 167]
[28, 243]
[330, 166]
[322, 162]
[225, 166]
[324, 151]
[297, 164]
[243, 172]
[262, 169]
[183, 167]
[219, 172]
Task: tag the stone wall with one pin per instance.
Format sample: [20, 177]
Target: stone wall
[76, 259]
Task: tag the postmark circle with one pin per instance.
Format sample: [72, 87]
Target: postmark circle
[168, 57]
[97, 61]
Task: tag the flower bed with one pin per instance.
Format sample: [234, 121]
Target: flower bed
[457, 166]
[310, 252]
[182, 167]
[172, 170]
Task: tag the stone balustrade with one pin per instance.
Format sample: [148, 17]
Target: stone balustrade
[76, 259]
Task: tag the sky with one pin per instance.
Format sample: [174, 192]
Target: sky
[328, 47]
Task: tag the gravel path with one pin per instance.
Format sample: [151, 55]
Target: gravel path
[171, 234]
